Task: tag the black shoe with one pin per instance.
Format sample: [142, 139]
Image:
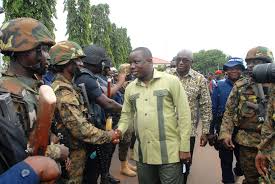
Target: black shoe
[112, 179]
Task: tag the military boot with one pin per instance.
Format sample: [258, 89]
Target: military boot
[133, 168]
[124, 169]
[131, 154]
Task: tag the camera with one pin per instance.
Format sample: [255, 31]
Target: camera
[264, 73]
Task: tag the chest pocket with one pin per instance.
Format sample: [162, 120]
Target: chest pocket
[245, 108]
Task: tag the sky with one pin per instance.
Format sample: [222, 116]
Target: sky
[168, 26]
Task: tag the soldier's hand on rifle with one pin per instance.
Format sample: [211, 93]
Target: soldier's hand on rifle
[64, 152]
[261, 164]
[45, 167]
[203, 140]
[185, 157]
[228, 143]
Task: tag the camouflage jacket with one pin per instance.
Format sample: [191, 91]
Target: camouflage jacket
[267, 144]
[72, 113]
[238, 113]
[196, 88]
[24, 92]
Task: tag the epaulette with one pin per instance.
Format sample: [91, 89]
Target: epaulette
[241, 82]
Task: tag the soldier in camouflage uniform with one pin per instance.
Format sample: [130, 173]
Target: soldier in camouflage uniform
[266, 154]
[243, 111]
[26, 41]
[70, 113]
[195, 85]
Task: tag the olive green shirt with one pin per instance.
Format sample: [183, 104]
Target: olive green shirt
[162, 118]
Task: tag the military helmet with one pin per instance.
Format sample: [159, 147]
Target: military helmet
[64, 51]
[261, 53]
[23, 34]
[94, 55]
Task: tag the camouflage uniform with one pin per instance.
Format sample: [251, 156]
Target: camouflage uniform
[268, 134]
[197, 91]
[20, 35]
[72, 113]
[240, 114]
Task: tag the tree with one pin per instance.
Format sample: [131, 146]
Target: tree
[120, 45]
[79, 21]
[101, 27]
[42, 10]
[209, 61]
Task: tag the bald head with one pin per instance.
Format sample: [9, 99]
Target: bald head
[185, 54]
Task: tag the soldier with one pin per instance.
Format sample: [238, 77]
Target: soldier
[70, 113]
[27, 41]
[98, 102]
[265, 159]
[244, 110]
[195, 85]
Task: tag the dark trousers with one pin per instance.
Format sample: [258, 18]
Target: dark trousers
[226, 157]
[192, 145]
[99, 165]
[159, 174]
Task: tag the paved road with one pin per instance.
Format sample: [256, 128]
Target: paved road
[205, 168]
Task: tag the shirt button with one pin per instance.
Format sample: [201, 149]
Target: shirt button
[25, 172]
[145, 114]
[146, 99]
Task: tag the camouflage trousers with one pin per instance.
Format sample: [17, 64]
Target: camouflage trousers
[247, 161]
[78, 158]
[124, 145]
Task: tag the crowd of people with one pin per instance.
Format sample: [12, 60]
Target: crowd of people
[153, 114]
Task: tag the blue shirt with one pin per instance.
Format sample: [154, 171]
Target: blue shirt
[20, 173]
[219, 97]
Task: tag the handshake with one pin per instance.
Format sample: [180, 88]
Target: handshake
[115, 135]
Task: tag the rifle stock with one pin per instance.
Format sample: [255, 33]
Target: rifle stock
[40, 136]
[109, 121]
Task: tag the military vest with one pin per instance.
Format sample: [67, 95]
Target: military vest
[24, 94]
[250, 106]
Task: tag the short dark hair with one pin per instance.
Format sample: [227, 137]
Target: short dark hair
[146, 52]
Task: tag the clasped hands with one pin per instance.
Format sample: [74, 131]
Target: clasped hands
[116, 135]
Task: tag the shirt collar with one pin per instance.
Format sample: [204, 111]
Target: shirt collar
[156, 75]
[191, 73]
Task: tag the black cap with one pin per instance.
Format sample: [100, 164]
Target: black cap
[94, 55]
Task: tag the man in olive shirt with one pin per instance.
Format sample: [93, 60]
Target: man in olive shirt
[162, 121]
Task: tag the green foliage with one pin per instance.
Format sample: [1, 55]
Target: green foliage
[120, 45]
[209, 61]
[101, 27]
[78, 21]
[42, 10]
[161, 68]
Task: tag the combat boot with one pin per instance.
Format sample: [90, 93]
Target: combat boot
[124, 169]
[131, 154]
[133, 168]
